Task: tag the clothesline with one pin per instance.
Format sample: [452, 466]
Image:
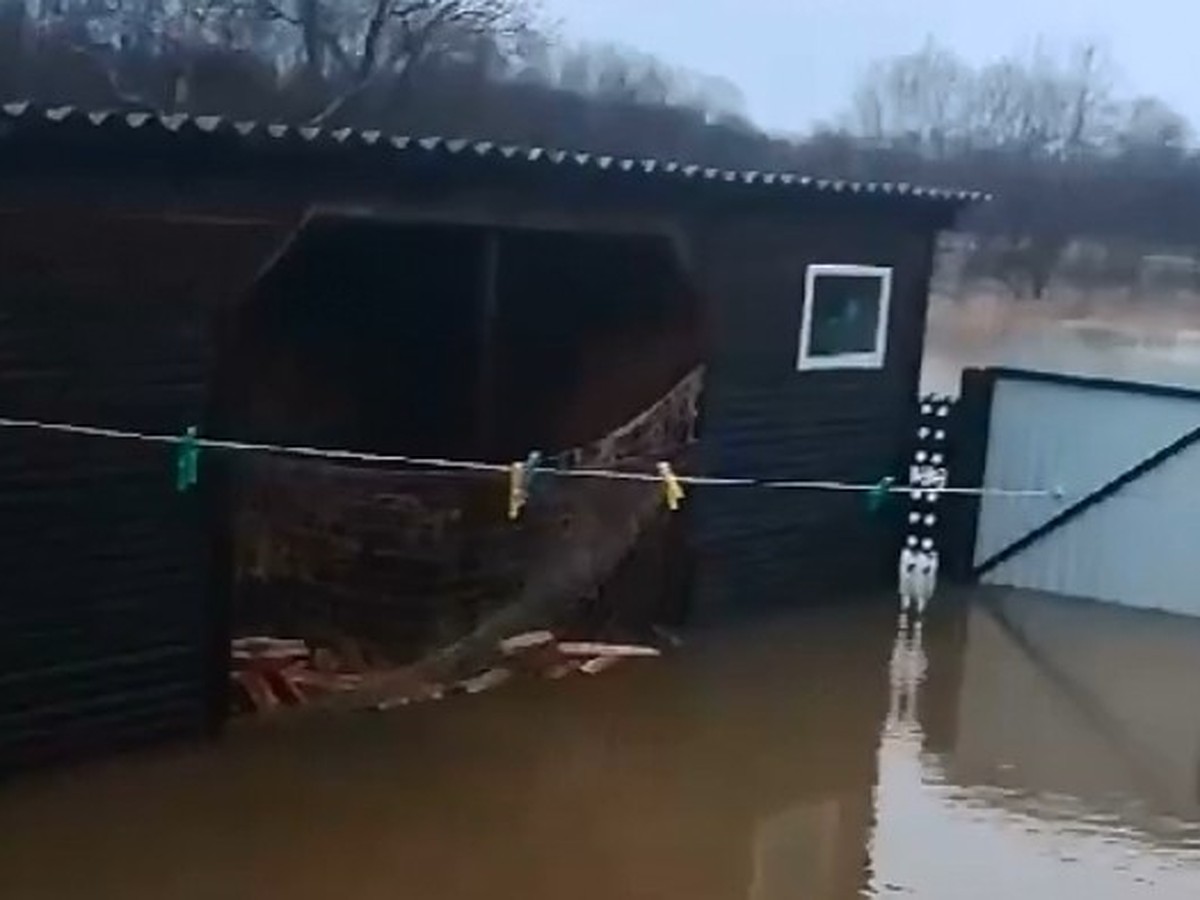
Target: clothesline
[459, 465]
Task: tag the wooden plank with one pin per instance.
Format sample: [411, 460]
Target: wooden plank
[529, 640]
[593, 649]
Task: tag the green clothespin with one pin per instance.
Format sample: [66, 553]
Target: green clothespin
[531, 470]
[187, 461]
[879, 496]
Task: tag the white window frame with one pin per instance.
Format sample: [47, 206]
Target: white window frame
[870, 360]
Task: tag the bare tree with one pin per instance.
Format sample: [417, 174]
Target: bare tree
[1011, 109]
[919, 99]
[355, 44]
[1046, 132]
[1043, 130]
[1151, 125]
[618, 74]
[1090, 108]
[122, 40]
[346, 46]
[1037, 105]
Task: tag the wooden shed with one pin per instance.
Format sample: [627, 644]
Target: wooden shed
[448, 298]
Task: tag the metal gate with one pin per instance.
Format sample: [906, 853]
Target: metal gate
[1118, 465]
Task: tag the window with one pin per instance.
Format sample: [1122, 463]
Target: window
[845, 317]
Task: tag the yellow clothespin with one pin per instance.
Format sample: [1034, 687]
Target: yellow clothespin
[516, 490]
[672, 489]
[520, 482]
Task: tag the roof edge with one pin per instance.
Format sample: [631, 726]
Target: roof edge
[27, 112]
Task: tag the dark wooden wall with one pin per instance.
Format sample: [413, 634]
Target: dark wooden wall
[763, 418]
[106, 627]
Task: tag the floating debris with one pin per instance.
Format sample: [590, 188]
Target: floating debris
[598, 664]
[264, 648]
[256, 691]
[589, 648]
[271, 672]
[424, 694]
[485, 681]
[530, 640]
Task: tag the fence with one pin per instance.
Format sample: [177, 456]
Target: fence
[1118, 461]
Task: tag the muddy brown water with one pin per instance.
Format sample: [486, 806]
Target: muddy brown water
[1018, 746]
[1084, 347]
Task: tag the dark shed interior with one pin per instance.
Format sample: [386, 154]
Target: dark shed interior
[428, 340]
[362, 337]
[434, 339]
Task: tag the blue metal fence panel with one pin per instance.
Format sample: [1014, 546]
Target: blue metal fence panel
[1136, 547]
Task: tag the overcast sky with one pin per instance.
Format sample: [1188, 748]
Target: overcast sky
[797, 60]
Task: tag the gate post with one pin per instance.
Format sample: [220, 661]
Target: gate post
[969, 432]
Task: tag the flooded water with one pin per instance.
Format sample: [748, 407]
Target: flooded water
[1025, 747]
[1075, 347]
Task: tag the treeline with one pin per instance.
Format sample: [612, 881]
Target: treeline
[450, 67]
[1048, 134]
[1068, 157]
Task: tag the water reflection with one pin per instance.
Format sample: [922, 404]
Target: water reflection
[1025, 747]
[1066, 766]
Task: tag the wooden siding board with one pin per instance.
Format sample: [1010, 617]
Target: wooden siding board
[107, 621]
[99, 586]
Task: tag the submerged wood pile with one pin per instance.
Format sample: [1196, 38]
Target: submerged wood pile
[410, 562]
[271, 673]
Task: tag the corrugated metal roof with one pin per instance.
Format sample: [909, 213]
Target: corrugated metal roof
[29, 113]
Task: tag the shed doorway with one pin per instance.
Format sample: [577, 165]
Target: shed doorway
[453, 342]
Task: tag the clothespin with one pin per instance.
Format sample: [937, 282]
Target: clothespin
[516, 489]
[520, 482]
[187, 461]
[672, 489]
[532, 462]
[880, 494]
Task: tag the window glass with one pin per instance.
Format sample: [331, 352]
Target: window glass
[845, 314]
[845, 317]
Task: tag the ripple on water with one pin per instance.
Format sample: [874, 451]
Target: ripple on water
[1037, 794]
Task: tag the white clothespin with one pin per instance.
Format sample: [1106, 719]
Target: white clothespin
[907, 574]
[927, 574]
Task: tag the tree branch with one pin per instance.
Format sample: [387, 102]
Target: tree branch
[374, 33]
[112, 77]
[415, 27]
